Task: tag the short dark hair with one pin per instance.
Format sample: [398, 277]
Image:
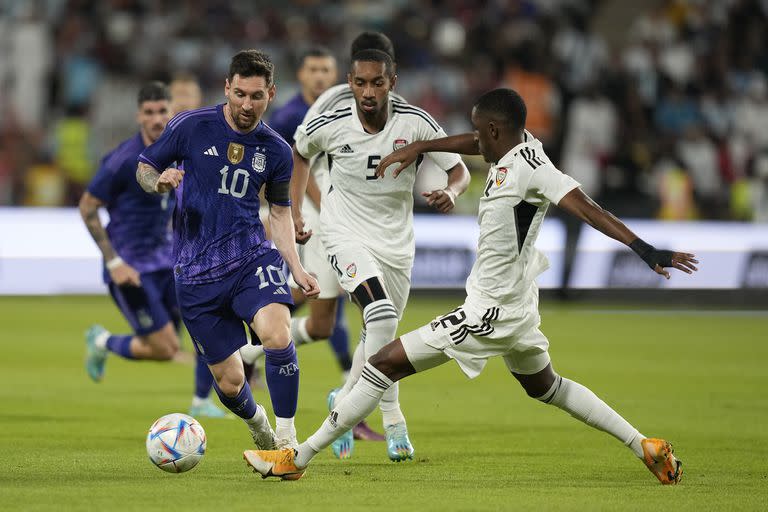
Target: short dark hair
[314, 51]
[247, 63]
[153, 91]
[372, 41]
[375, 56]
[504, 104]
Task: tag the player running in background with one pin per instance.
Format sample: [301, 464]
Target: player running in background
[500, 314]
[137, 251]
[226, 271]
[367, 224]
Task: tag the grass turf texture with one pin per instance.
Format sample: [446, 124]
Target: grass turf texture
[698, 380]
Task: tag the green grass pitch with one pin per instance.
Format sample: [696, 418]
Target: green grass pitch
[698, 379]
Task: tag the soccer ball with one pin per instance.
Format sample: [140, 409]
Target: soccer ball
[176, 443]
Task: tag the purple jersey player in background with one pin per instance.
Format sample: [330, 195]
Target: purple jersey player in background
[226, 271]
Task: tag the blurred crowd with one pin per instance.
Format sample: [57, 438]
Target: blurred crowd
[659, 108]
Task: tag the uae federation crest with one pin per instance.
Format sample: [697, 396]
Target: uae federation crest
[501, 175]
[259, 162]
[399, 144]
[235, 152]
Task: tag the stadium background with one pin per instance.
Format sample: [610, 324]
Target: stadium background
[659, 109]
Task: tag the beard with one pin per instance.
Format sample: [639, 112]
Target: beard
[245, 122]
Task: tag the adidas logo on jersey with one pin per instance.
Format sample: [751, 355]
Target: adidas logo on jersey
[346, 149]
[211, 151]
[280, 291]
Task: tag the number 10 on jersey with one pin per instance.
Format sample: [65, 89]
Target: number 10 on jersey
[239, 184]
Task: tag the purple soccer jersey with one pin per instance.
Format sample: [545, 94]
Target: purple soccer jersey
[139, 223]
[218, 227]
[287, 118]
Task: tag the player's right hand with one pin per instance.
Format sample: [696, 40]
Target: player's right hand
[125, 275]
[307, 283]
[302, 236]
[404, 156]
[169, 180]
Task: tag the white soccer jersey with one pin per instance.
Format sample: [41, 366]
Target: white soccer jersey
[331, 99]
[515, 199]
[378, 213]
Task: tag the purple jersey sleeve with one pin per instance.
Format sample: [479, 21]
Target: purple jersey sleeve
[105, 184]
[169, 148]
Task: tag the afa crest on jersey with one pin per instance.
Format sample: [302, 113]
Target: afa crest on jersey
[235, 152]
[259, 162]
[399, 143]
[351, 270]
[501, 175]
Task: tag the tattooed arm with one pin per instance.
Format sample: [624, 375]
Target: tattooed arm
[154, 182]
[121, 272]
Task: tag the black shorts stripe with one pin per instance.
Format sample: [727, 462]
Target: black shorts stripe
[431, 123]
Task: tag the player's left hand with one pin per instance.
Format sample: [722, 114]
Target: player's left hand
[307, 283]
[302, 235]
[683, 261]
[442, 200]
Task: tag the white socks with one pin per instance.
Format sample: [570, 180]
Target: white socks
[259, 420]
[380, 319]
[358, 360]
[101, 339]
[358, 404]
[285, 431]
[251, 353]
[584, 405]
[299, 333]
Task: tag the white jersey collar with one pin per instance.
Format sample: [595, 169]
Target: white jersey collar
[509, 156]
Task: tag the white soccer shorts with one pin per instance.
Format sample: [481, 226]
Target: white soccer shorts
[354, 264]
[471, 335]
[314, 259]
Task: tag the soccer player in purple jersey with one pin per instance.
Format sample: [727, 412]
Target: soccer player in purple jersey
[137, 250]
[226, 271]
[186, 95]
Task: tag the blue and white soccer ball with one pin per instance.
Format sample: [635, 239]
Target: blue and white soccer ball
[176, 443]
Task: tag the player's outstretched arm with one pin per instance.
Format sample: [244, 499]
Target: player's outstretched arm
[120, 272]
[577, 203]
[154, 182]
[283, 235]
[464, 144]
[443, 200]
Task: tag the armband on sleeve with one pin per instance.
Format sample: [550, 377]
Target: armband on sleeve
[278, 192]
